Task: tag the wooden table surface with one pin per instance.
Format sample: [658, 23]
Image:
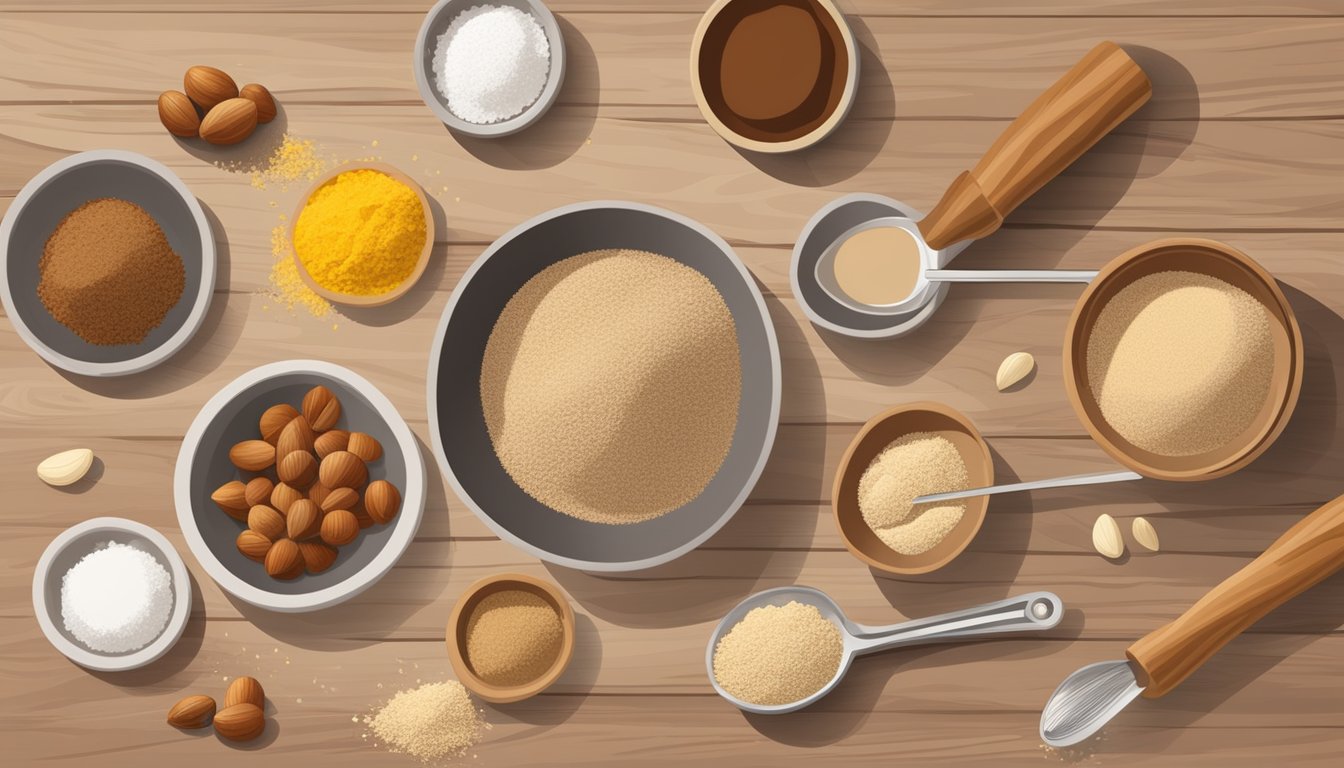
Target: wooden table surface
[1243, 142]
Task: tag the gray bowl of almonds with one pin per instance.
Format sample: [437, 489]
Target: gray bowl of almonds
[298, 486]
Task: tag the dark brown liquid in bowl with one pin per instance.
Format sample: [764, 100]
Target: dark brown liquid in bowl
[773, 70]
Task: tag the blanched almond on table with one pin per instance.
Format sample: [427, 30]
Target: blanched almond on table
[317, 557]
[365, 446]
[283, 560]
[208, 86]
[229, 122]
[321, 408]
[258, 491]
[257, 94]
[245, 690]
[331, 441]
[297, 468]
[252, 455]
[253, 545]
[192, 712]
[266, 521]
[1106, 537]
[382, 499]
[178, 114]
[232, 498]
[1145, 534]
[339, 527]
[304, 520]
[274, 420]
[240, 722]
[296, 436]
[1013, 369]
[284, 496]
[342, 469]
[340, 498]
[66, 467]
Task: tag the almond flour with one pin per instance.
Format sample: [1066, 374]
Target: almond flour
[778, 654]
[913, 465]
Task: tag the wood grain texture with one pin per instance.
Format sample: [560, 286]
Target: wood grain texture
[1243, 141]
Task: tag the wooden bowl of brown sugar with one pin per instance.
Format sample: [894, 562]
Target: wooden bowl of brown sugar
[510, 636]
[774, 75]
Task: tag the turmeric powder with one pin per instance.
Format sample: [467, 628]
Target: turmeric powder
[360, 233]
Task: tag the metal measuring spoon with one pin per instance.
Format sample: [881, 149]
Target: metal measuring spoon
[1031, 612]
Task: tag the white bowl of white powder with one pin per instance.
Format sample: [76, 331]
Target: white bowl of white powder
[489, 68]
[111, 594]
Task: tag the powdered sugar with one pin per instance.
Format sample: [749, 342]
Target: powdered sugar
[491, 63]
[116, 599]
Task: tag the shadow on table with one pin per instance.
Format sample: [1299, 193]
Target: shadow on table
[555, 706]
[160, 675]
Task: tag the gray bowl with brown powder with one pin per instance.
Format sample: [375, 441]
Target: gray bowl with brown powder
[461, 439]
[39, 209]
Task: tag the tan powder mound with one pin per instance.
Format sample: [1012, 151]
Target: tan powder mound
[1181, 363]
[611, 384]
[778, 654]
[913, 465]
[434, 721]
[513, 637]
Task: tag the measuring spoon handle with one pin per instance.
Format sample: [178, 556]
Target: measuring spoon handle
[1101, 90]
[1024, 613]
[1010, 275]
[1095, 478]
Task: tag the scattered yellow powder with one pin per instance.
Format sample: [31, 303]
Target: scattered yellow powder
[1180, 363]
[913, 465]
[286, 287]
[361, 233]
[432, 722]
[294, 161]
[513, 637]
[778, 654]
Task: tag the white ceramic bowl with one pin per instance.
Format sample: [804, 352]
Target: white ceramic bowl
[203, 465]
[69, 548]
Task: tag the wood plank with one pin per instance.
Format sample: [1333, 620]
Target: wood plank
[914, 68]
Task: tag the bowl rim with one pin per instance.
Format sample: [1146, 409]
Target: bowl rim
[412, 505]
[507, 694]
[177, 620]
[204, 292]
[351, 299]
[440, 334]
[833, 121]
[549, 92]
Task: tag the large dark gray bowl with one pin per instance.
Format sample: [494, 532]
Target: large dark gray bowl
[203, 465]
[457, 422]
[64, 186]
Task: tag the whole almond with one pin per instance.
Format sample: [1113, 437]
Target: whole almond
[342, 469]
[208, 86]
[317, 493]
[304, 520]
[284, 496]
[331, 441]
[340, 498]
[229, 122]
[365, 519]
[365, 446]
[232, 498]
[252, 455]
[240, 722]
[317, 557]
[266, 521]
[1145, 534]
[297, 468]
[283, 560]
[296, 436]
[382, 500]
[258, 491]
[1106, 537]
[1013, 369]
[339, 527]
[274, 419]
[253, 545]
[245, 690]
[321, 408]
[178, 114]
[192, 712]
[257, 94]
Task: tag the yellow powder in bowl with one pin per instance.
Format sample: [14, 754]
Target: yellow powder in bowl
[610, 385]
[513, 637]
[913, 465]
[1181, 363]
[778, 654]
[361, 233]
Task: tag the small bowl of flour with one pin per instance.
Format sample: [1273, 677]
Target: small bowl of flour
[489, 68]
[111, 594]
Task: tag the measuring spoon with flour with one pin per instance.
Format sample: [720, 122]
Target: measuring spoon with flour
[1031, 612]
[1084, 105]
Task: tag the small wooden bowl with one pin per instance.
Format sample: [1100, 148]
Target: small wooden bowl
[1205, 257]
[457, 635]
[876, 435]
[355, 300]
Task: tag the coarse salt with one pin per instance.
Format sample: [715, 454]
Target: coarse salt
[491, 63]
[116, 599]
